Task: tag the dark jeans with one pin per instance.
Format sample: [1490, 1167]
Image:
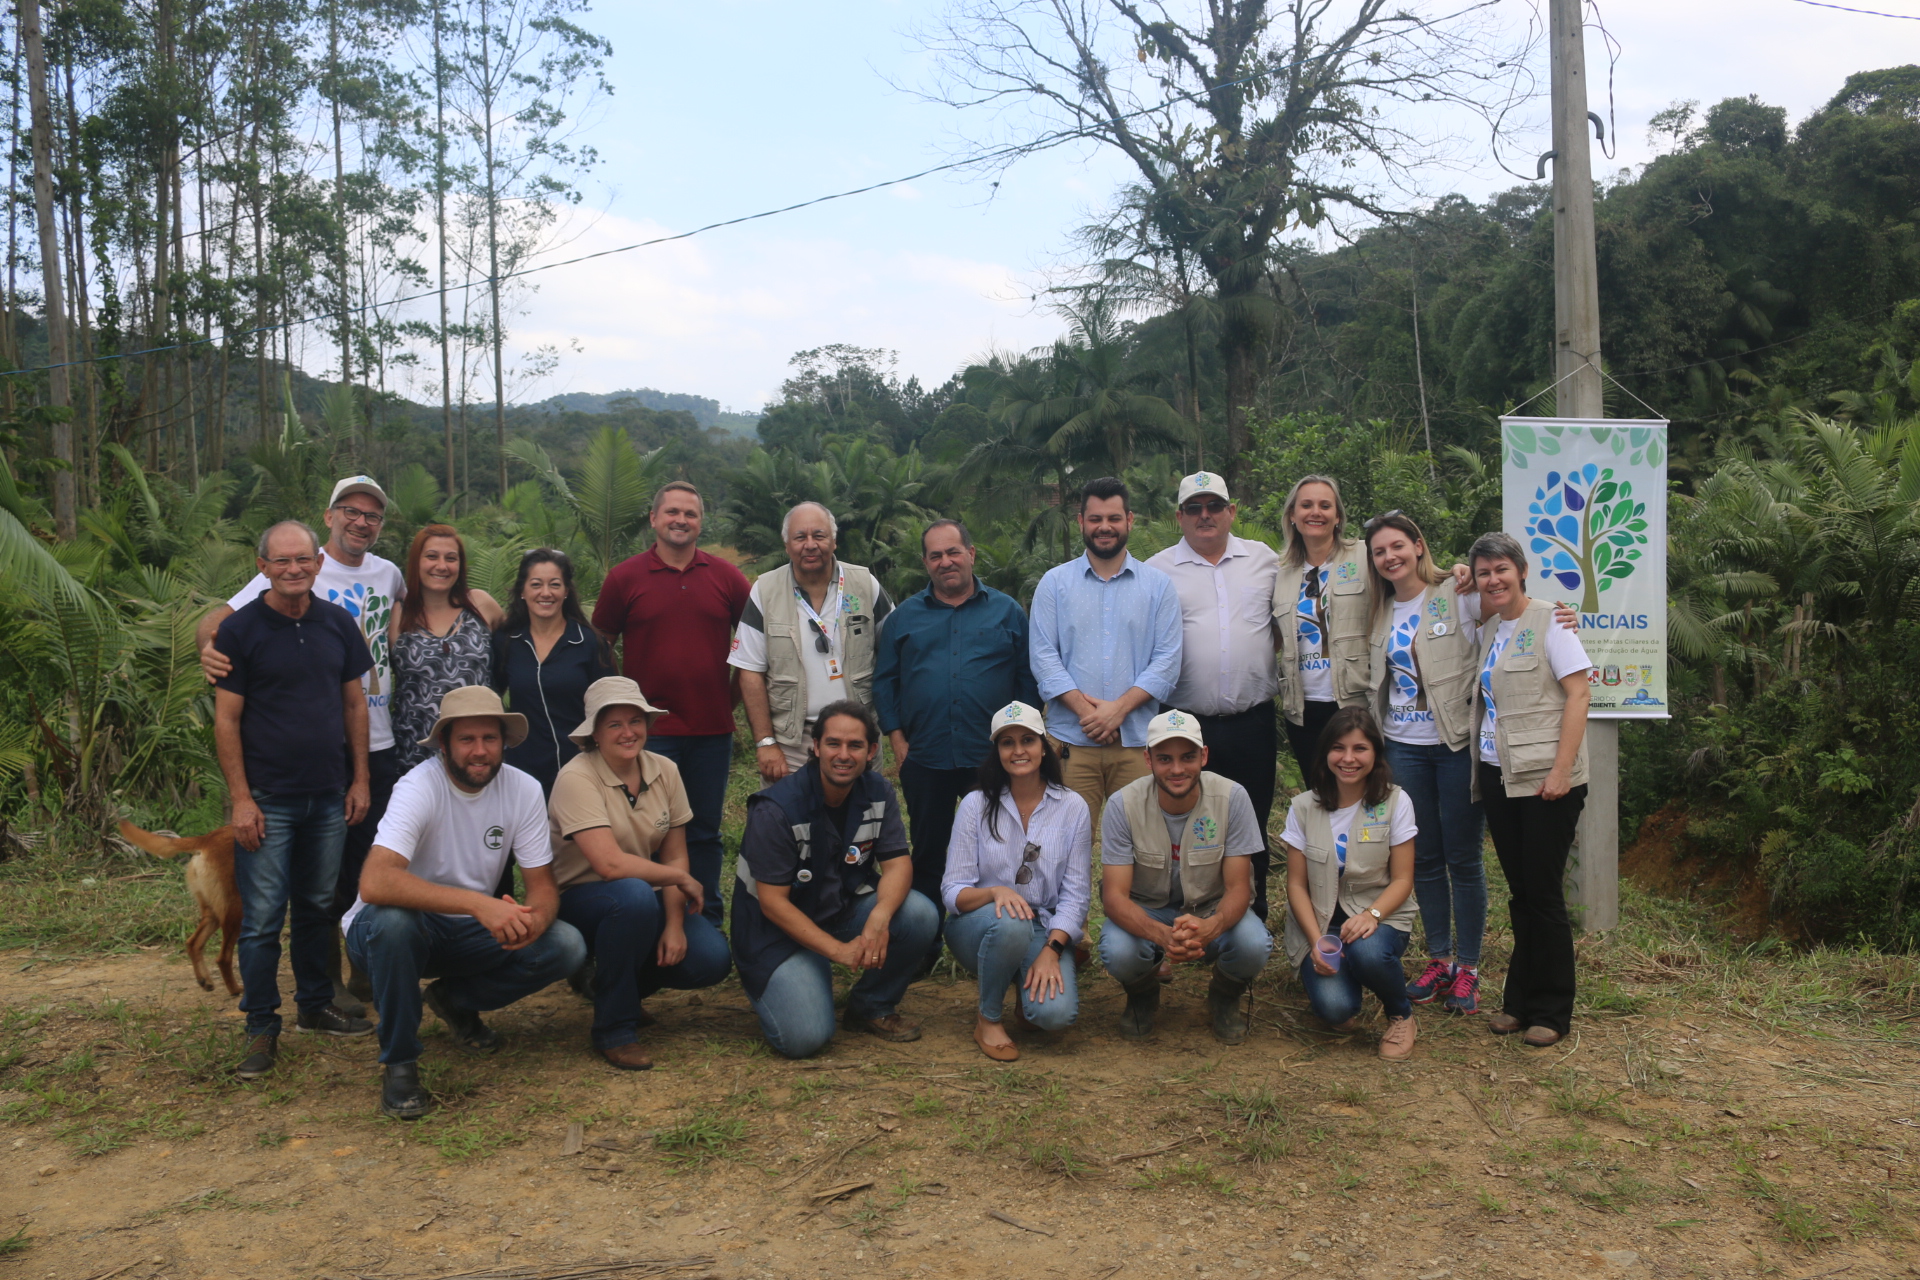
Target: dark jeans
[383, 770]
[297, 863]
[705, 759]
[1372, 964]
[932, 796]
[1532, 837]
[399, 948]
[1449, 873]
[621, 921]
[1304, 739]
[1244, 747]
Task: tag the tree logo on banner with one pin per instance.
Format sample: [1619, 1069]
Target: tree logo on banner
[1587, 530]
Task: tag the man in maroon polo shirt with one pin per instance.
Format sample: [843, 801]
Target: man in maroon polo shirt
[671, 610]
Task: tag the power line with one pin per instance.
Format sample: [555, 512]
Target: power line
[1872, 13]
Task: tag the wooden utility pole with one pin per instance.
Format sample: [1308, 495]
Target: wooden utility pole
[1593, 872]
[59, 396]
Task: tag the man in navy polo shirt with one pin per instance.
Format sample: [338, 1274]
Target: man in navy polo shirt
[672, 610]
[288, 716]
[950, 656]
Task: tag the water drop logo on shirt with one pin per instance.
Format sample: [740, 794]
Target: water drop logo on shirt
[1406, 685]
[1309, 630]
[1205, 829]
[1340, 851]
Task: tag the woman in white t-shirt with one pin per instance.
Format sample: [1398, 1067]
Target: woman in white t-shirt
[1349, 844]
[1533, 689]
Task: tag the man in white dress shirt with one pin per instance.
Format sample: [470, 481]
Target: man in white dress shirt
[1228, 674]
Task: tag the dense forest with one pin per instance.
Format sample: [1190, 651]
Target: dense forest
[226, 215]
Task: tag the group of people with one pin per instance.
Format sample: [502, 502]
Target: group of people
[396, 743]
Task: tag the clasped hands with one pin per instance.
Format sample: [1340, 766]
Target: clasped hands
[1102, 718]
[1188, 938]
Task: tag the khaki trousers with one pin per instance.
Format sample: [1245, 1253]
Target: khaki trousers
[1095, 773]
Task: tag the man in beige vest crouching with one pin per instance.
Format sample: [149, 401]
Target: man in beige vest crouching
[1176, 879]
[806, 638]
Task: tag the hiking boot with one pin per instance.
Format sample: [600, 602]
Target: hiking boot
[468, 1031]
[1224, 997]
[891, 1027]
[1433, 982]
[359, 986]
[628, 1057]
[331, 1020]
[262, 1053]
[1464, 996]
[401, 1095]
[1396, 1042]
[1143, 1002]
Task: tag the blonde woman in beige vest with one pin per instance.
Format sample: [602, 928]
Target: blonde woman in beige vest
[1349, 842]
[1320, 616]
[1533, 692]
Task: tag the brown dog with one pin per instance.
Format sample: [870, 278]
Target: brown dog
[210, 878]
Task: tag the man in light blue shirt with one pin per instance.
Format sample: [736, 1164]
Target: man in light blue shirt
[1105, 649]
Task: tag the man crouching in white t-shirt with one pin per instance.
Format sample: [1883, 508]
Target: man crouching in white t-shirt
[426, 907]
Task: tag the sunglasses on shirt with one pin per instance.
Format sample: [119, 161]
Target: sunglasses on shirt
[1027, 859]
[820, 644]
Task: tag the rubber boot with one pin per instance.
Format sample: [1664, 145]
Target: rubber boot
[1225, 1006]
[1143, 1002]
[343, 999]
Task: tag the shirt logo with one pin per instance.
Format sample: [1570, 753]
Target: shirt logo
[495, 838]
[1201, 480]
[1437, 607]
[1012, 712]
[1175, 720]
[1376, 812]
[849, 604]
[1348, 571]
[1205, 829]
[1523, 643]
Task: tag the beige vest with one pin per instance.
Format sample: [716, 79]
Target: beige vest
[1530, 702]
[1368, 869]
[787, 630]
[1448, 663]
[1202, 853]
[1344, 624]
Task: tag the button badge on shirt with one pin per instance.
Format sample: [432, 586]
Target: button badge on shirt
[803, 875]
[1439, 628]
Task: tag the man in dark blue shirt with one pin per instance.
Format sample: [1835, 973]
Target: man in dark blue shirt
[950, 656]
[288, 717]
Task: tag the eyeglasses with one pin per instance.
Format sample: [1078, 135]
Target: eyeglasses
[280, 564]
[1382, 518]
[355, 515]
[1027, 859]
[1213, 508]
[820, 644]
[1310, 584]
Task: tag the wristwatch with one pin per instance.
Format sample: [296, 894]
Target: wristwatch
[1375, 913]
[1059, 947]
[767, 742]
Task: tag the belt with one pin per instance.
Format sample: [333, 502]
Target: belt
[1258, 708]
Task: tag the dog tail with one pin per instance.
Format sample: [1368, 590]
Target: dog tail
[159, 846]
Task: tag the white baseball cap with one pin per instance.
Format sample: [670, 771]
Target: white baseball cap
[1016, 715]
[1174, 724]
[358, 484]
[1202, 482]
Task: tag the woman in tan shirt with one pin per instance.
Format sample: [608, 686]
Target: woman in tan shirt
[618, 819]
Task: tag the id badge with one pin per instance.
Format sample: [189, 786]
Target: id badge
[833, 668]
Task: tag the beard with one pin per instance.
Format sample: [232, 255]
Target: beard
[476, 775]
[1093, 549]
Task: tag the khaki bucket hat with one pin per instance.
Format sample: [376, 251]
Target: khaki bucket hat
[476, 700]
[610, 691]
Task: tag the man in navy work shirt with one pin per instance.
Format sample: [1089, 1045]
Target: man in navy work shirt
[289, 715]
[824, 879]
[950, 656]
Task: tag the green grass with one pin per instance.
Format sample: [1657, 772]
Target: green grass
[704, 1137]
[18, 1242]
[1195, 1174]
[50, 910]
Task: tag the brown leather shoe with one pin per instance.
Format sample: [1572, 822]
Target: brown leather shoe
[893, 1027]
[998, 1052]
[1503, 1024]
[1540, 1038]
[628, 1057]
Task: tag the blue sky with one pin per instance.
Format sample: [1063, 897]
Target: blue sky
[727, 107]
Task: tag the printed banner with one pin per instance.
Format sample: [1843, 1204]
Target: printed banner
[1588, 500]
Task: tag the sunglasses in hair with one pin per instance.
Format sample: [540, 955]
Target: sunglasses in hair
[1382, 518]
[1027, 859]
[1197, 508]
[820, 644]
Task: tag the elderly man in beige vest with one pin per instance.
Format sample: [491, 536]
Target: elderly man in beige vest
[806, 638]
[1176, 880]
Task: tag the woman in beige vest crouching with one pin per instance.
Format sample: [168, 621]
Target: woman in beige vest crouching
[1532, 779]
[1349, 843]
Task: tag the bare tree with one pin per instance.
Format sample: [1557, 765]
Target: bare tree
[59, 399]
[1245, 119]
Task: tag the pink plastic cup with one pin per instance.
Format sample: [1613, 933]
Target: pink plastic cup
[1330, 949]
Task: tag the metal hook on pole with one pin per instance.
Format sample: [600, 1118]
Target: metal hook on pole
[1540, 175]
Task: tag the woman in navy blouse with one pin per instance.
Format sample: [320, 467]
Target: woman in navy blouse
[544, 656]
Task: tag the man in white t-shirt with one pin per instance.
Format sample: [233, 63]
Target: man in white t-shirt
[426, 907]
[367, 587]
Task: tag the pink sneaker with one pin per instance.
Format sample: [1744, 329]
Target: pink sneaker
[1464, 997]
[1396, 1042]
[1431, 984]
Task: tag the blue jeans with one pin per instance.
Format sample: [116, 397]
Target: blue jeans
[1373, 963]
[621, 921]
[705, 759]
[796, 1009]
[297, 863]
[1241, 952]
[1449, 873]
[998, 950]
[399, 948]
